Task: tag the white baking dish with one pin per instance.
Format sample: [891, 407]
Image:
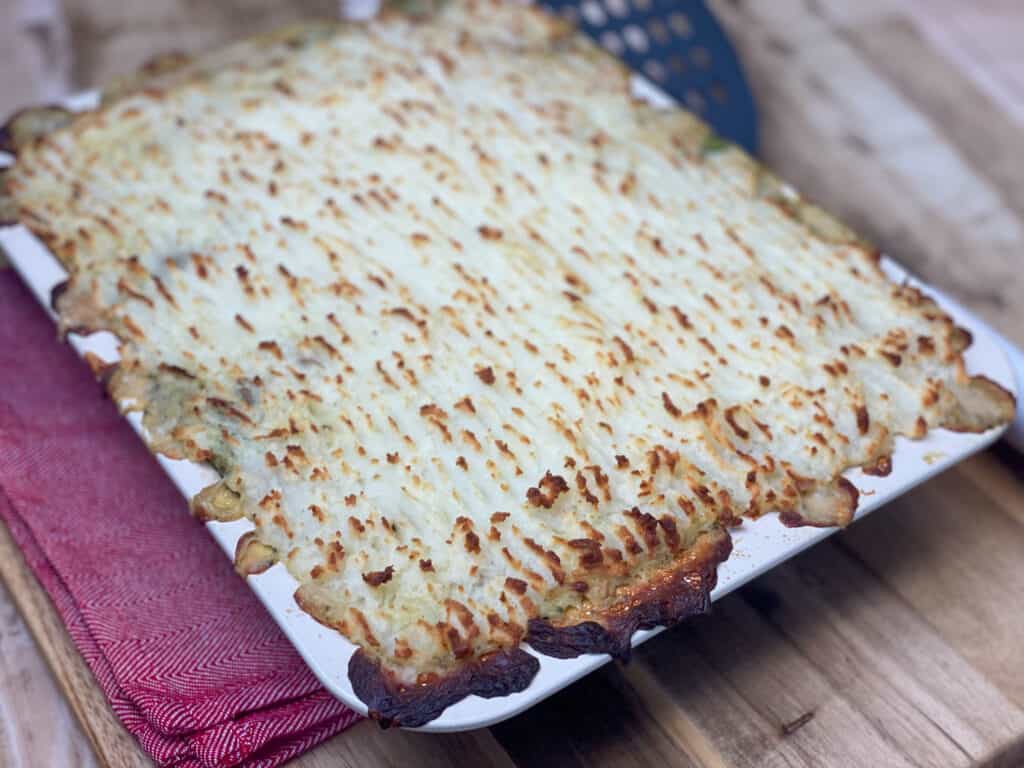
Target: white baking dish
[758, 545]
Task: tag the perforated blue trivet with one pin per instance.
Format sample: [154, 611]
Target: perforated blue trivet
[678, 45]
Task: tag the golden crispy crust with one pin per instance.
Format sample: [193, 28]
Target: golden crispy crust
[979, 405]
[217, 502]
[253, 556]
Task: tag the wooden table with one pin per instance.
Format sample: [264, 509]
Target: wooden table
[898, 642]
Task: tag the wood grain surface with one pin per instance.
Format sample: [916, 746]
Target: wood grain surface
[895, 643]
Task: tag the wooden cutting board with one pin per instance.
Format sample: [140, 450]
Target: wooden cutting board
[899, 642]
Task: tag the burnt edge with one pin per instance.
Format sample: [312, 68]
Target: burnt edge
[391, 703]
[7, 126]
[80, 328]
[667, 599]
[791, 518]
[8, 211]
[56, 292]
[880, 467]
[6, 133]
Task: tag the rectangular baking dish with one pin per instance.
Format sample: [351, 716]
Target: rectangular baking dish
[757, 545]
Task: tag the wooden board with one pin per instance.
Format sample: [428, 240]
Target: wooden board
[868, 112]
[897, 642]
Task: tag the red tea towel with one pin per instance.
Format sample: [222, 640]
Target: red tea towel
[190, 661]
